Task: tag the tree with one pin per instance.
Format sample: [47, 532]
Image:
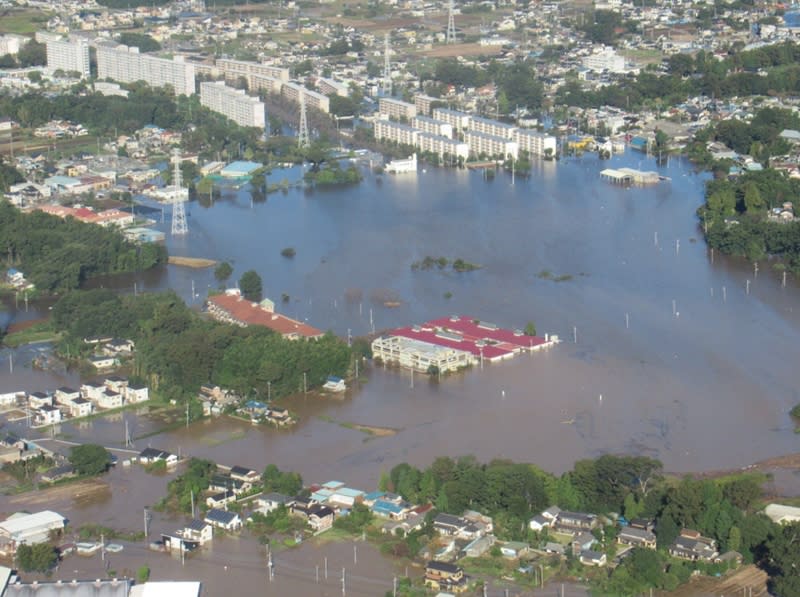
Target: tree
[143, 574]
[89, 459]
[250, 285]
[530, 329]
[36, 558]
[753, 201]
[223, 271]
[784, 561]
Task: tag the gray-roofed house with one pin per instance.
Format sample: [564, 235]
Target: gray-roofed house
[593, 558]
[199, 531]
[637, 538]
[230, 521]
[691, 545]
[272, 501]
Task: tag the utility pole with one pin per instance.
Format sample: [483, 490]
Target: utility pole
[344, 590]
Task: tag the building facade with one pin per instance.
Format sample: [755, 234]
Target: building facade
[458, 120]
[535, 143]
[433, 126]
[312, 99]
[233, 69]
[396, 109]
[395, 132]
[68, 55]
[331, 87]
[492, 127]
[234, 104]
[442, 146]
[127, 65]
[491, 145]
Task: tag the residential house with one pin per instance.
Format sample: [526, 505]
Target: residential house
[413, 522]
[387, 509]
[447, 524]
[136, 393]
[477, 547]
[109, 399]
[39, 399]
[444, 576]
[554, 548]
[228, 483]
[118, 347]
[593, 558]
[152, 455]
[221, 499]
[691, 545]
[732, 558]
[66, 395]
[483, 522]
[80, 407]
[515, 549]
[91, 390]
[637, 537]
[345, 497]
[582, 542]
[551, 514]
[230, 521]
[244, 474]
[320, 518]
[272, 501]
[48, 415]
[646, 524]
[117, 384]
[65, 471]
[101, 362]
[198, 530]
[539, 523]
[575, 522]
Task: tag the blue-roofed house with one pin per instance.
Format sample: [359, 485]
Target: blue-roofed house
[333, 485]
[389, 510]
[321, 495]
[372, 497]
[346, 497]
[239, 169]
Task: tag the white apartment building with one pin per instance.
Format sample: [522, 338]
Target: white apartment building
[127, 65]
[459, 120]
[263, 83]
[442, 146]
[396, 109]
[492, 127]
[605, 59]
[535, 143]
[312, 99]
[423, 103]
[418, 355]
[396, 132]
[68, 55]
[491, 145]
[11, 43]
[433, 126]
[233, 103]
[233, 69]
[331, 87]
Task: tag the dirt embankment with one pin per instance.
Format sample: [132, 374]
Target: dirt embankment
[31, 500]
[193, 262]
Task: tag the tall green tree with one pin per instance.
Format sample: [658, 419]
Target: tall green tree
[89, 459]
[250, 285]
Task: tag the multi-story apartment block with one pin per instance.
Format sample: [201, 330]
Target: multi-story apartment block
[491, 145]
[233, 69]
[605, 60]
[68, 55]
[424, 103]
[459, 120]
[535, 143]
[396, 132]
[442, 146]
[233, 103]
[127, 65]
[11, 43]
[312, 99]
[331, 87]
[435, 127]
[492, 127]
[263, 83]
[396, 109]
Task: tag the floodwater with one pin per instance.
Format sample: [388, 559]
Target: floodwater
[664, 351]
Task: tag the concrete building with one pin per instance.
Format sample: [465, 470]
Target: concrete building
[442, 146]
[396, 109]
[234, 104]
[433, 126]
[605, 59]
[127, 65]
[482, 144]
[535, 143]
[492, 127]
[68, 55]
[459, 120]
[395, 132]
[424, 103]
[331, 87]
[312, 99]
[264, 83]
[419, 355]
[11, 43]
[233, 69]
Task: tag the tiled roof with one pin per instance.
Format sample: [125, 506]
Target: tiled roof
[251, 313]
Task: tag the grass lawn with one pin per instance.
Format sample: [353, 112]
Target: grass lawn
[40, 332]
[22, 22]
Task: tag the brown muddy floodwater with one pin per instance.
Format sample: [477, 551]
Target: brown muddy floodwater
[667, 352]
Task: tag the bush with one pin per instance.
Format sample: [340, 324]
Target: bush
[289, 252]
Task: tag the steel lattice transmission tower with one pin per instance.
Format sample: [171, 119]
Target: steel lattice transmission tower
[179, 225]
[303, 139]
[451, 24]
[387, 67]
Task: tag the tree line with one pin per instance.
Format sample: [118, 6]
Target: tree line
[725, 509]
[58, 254]
[178, 350]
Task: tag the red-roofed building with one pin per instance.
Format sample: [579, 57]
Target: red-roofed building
[232, 308]
[452, 343]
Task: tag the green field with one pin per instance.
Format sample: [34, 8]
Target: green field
[22, 22]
